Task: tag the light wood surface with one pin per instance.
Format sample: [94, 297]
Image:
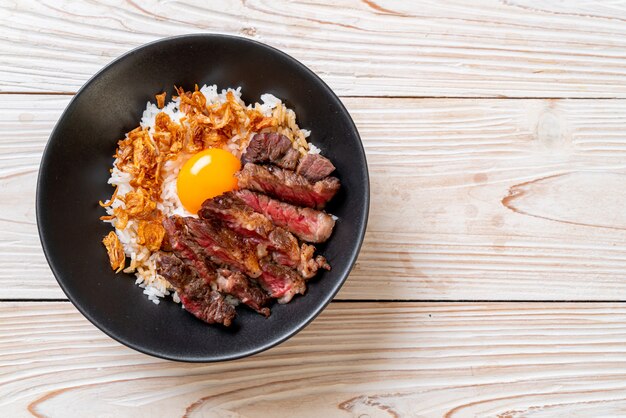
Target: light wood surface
[471, 199]
[468, 48]
[505, 360]
[495, 133]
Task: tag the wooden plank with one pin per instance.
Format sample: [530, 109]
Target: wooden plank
[518, 48]
[25, 124]
[493, 199]
[471, 199]
[356, 359]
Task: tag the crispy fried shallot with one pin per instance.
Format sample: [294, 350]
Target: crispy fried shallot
[116, 252]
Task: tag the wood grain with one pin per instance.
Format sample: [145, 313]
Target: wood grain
[357, 359]
[471, 199]
[513, 48]
[25, 124]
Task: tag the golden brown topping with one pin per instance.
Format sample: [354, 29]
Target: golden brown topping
[121, 218]
[214, 138]
[150, 234]
[168, 136]
[160, 98]
[115, 251]
[124, 150]
[139, 204]
[144, 152]
[110, 202]
[162, 121]
[266, 123]
[186, 104]
[220, 121]
[254, 116]
[198, 99]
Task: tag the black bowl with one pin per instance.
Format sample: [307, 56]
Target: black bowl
[76, 164]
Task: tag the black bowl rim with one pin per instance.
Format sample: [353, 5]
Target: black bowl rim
[39, 205]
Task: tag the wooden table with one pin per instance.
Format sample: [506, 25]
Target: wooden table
[490, 280]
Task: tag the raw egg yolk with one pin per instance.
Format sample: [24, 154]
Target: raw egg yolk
[207, 174]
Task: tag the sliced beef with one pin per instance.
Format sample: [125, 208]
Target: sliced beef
[309, 265]
[288, 186]
[236, 284]
[223, 246]
[280, 281]
[236, 214]
[307, 224]
[195, 294]
[165, 243]
[271, 148]
[209, 306]
[315, 167]
[188, 249]
[241, 218]
[281, 244]
[172, 268]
